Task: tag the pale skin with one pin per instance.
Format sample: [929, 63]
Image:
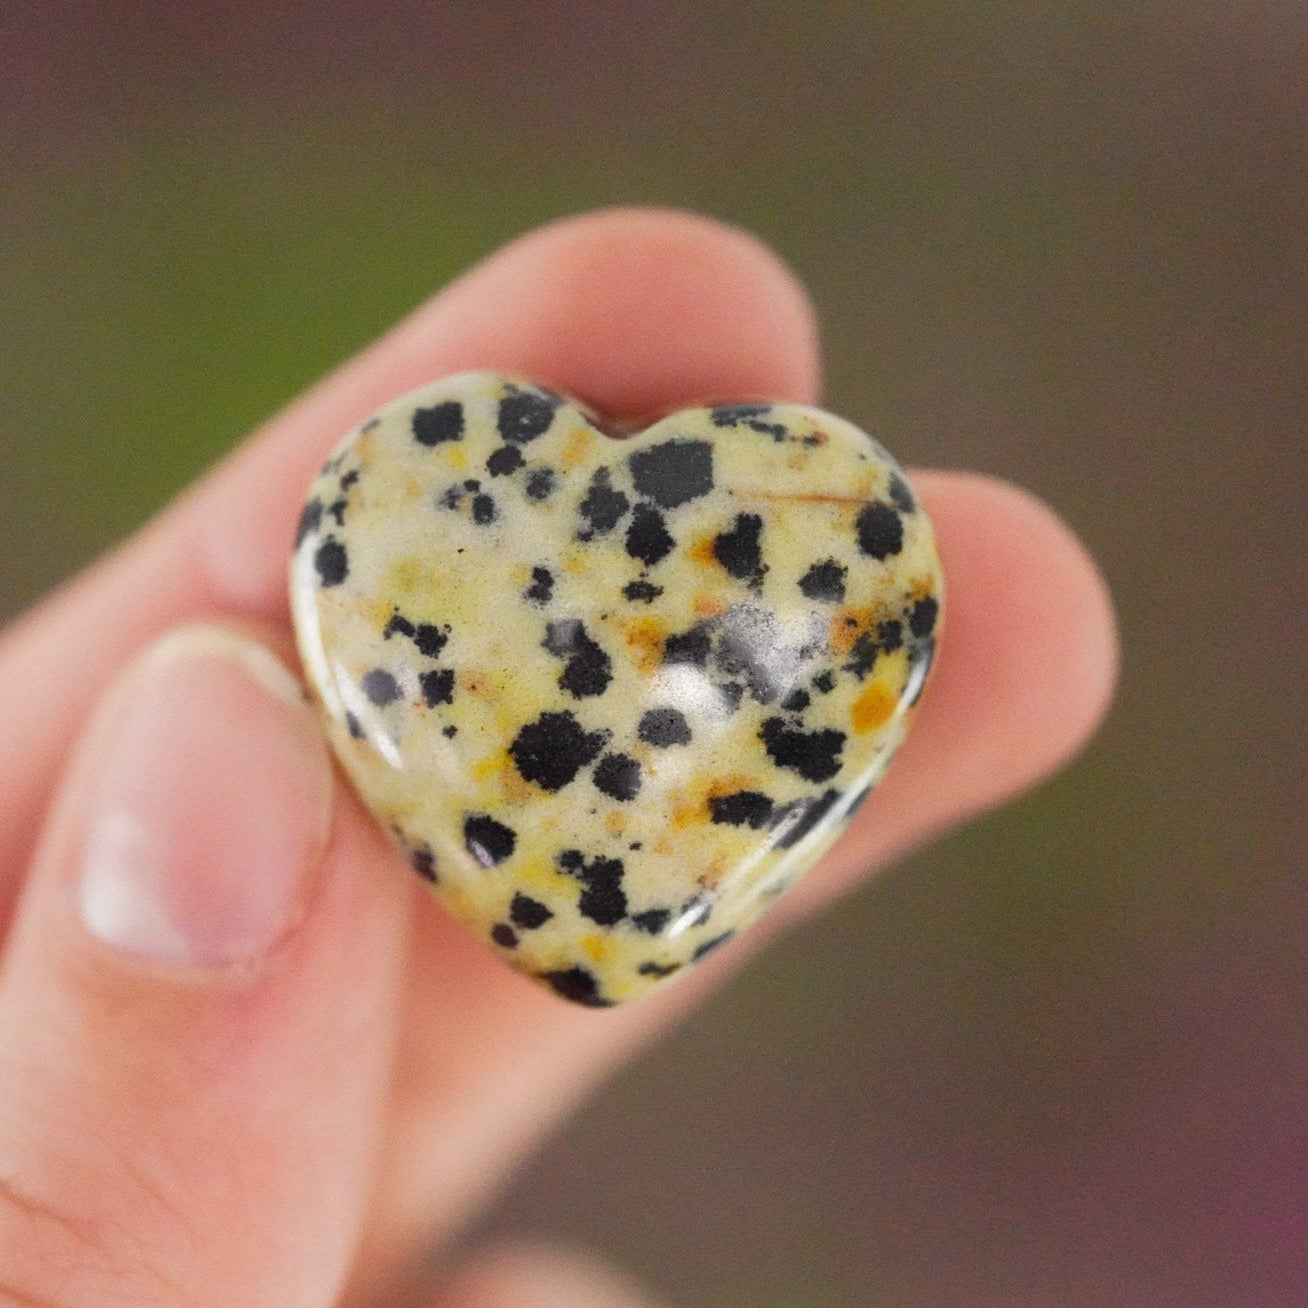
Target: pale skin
[294, 1129]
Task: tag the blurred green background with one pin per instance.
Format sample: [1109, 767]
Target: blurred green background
[1059, 1058]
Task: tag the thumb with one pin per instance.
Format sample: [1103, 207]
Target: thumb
[196, 1006]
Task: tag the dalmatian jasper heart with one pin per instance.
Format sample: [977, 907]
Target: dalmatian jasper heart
[611, 697]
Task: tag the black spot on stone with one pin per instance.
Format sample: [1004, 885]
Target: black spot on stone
[917, 672]
[380, 687]
[732, 415]
[751, 416]
[570, 859]
[648, 538]
[310, 521]
[442, 422]
[900, 495]
[618, 776]
[642, 591]
[437, 687]
[488, 841]
[732, 693]
[603, 507]
[349, 478]
[738, 549]
[353, 727]
[694, 912]
[690, 646]
[796, 820]
[472, 484]
[528, 913]
[602, 900]
[674, 472]
[825, 681]
[337, 510]
[551, 750]
[797, 701]
[397, 626]
[658, 969]
[862, 655]
[430, 639]
[579, 985]
[743, 808]
[710, 945]
[541, 589]
[589, 669]
[824, 581]
[449, 732]
[452, 498]
[507, 459]
[880, 530]
[524, 415]
[423, 862]
[604, 903]
[888, 637]
[815, 755]
[751, 644]
[540, 483]
[922, 620]
[483, 510]
[503, 934]
[662, 727]
[332, 562]
[651, 921]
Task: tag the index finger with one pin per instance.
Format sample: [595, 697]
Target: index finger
[633, 310]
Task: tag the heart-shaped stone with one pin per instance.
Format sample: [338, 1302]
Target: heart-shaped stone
[611, 696]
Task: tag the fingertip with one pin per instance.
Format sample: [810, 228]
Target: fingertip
[639, 310]
[1029, 655]
[636, 311]
[1027, 659]
[1024, 673]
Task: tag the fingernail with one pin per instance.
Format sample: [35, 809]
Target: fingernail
[206, 804]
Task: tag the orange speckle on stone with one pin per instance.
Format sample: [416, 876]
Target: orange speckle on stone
[645, 637]
[457, 457]
[517, 789]
[728, 784]
[615, 824]
[709, 606]
[701, 550]
[598, 948]
[693, 810]
[574, 450]
[872, 709]
[848, 621]
[376, 612]
[687, 810]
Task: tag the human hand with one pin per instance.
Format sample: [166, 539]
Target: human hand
[250, 1062]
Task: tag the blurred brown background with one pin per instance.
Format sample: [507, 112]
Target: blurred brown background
[1059, 1059]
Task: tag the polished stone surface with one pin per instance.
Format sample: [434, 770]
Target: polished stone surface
[611, 697]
